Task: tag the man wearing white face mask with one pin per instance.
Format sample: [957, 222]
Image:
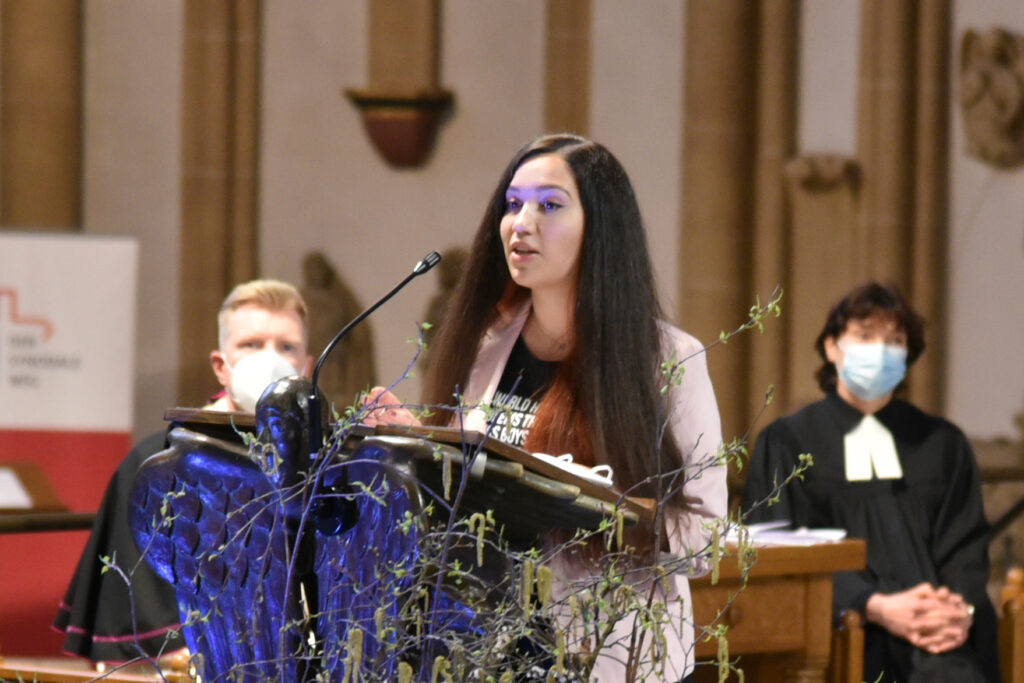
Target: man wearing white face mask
[262, 337]
[904, 481]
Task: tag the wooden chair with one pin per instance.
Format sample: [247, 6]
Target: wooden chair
[1011, 627]
[847, 662]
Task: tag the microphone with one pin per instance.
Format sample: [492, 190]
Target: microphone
[425, 264]
[315, 435]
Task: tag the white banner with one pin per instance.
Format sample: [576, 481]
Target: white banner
[67, 331]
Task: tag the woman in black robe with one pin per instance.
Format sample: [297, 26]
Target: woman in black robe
[904, 481]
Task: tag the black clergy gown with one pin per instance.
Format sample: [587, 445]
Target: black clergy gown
[101, 618]
[927, 526]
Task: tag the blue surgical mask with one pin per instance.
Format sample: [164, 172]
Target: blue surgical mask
[871, 371]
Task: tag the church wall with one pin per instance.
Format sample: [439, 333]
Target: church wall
[324, 187]
[132, 170]
[985, 376]
[984, 319]
[319, 174]
[636, 110]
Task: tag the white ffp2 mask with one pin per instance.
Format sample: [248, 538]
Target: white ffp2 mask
[251, 376]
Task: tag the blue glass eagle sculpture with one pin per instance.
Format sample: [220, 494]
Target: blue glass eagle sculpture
[285, 569]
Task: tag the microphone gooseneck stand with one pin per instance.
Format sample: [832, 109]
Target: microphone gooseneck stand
[316, 437]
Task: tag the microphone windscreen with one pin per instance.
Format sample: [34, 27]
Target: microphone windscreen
[427, 262]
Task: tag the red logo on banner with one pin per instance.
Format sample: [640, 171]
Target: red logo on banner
[18, 318]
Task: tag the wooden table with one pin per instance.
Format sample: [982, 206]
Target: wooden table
[784, 615]
[73, 670]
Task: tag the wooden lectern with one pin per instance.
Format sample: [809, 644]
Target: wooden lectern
[511, 481]
[213, 513]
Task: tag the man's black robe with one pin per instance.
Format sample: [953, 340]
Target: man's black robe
[927, 526]
[96, 614]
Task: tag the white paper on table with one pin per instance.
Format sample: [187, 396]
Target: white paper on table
[12, 494]
[775, 533]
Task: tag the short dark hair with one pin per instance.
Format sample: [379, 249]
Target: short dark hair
[869, 300]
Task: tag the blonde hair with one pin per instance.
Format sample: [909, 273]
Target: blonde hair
[273, 295]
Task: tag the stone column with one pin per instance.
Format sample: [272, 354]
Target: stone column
[929, 238]
[567, 65]
[718, 180]
[885, 137]
[402, 106]
[778, 49]
[823, 235]
[41, 114]
[404, 46]
[902, 144]
[219, 236]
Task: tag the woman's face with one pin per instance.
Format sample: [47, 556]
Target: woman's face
[542, 229]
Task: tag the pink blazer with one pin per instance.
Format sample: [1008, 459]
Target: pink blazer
[697, 430]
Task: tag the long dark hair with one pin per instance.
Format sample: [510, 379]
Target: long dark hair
[605, 404]
[868, 300]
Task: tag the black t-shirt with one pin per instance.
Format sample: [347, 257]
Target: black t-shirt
[523, 383]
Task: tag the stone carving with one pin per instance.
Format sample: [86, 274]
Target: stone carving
[351, 367]
[992, 96]
[822, 172]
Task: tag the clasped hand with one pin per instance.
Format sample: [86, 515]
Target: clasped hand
[933, 619]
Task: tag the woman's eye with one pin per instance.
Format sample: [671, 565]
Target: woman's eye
[512, 205]
[550, 206]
